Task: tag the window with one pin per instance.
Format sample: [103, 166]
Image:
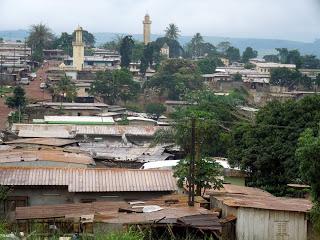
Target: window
[281, 230]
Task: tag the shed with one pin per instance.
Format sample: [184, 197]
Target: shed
[262, 216]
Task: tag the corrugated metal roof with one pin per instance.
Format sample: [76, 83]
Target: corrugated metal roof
[43, 141]
[78, 119]
[70, 131]
[90, 180]
[109, 210]
[17, 155]
[247, 197]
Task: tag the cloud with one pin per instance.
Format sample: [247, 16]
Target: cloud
[283, 19]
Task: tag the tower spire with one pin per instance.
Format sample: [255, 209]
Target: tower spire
[146, 29]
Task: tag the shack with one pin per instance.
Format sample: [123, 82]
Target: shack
[262, 216]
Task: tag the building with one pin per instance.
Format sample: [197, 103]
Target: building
[33, 186]
[31, 157]
[262, 216]
[69, 131]
[78, 50]
[268, 66]
[53, 54]
[146, 29]
[165, 50]
[41, 109]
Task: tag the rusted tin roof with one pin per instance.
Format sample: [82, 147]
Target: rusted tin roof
[70, 131]
[247, 197]
[57, 142]
[90, 180]
[17, 155]
[108, 211]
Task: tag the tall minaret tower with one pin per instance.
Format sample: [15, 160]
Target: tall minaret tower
[78, 50]
[146, 29]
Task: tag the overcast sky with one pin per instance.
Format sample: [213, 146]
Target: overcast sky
[280, 19]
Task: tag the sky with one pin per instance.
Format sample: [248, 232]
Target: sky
[272, 19]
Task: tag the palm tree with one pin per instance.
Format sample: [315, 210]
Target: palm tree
[172, 31]
[65, 89]
[40, 37]
[196, 44]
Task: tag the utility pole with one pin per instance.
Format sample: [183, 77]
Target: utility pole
[192, 163]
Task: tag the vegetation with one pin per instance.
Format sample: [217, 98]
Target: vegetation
[113, 45]
[207, 174]
[40, 37]
[172, 32]
[233, 54]
[271, 58]
[175, 78]
[308, 153]
[126, 47]
[208, 65]
[65, 89]
[18, 100]
[114, 86]
[286, 77]
[155, 109]
[266, 149]
[248, 54]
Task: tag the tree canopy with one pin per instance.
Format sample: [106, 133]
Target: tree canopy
[248, 54]
[266, 149]
[114, 86]
[155, 109]
[65, 89]
[126, 47]
[172, 32]
[176, 77]
[233, 54]
[18, 100]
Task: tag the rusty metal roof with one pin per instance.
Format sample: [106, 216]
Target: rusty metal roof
[57, 142]
[247, 197]
[90, 180]
[70, 131]
[107, 211]
[19, 155]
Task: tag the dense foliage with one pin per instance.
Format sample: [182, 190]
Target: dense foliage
[286, 77]
[155, 109]
[114, 86]
[126, 47]
[266, 149]
[18, 99]
[175, 78]
[65, 89]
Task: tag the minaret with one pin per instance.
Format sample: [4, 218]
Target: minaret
[146, 29]
[78, 50]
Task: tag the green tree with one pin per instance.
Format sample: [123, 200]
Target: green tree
[283, 55]
[40, 37]
[64, 42]
[155, 109]
[1, 39]
[196, 45]
[18, 100]
[237, 77]
[126, 51]
[222, 47]
[248, 54]
[114, 45]
[137, 51]
[207, 65]
[65, 89]
[286, 77]
[207, 174]
[233, 54]
[266, 149]
[310, 61]
[172, 32]
[176, 77]
[114, 86]
[271, 58]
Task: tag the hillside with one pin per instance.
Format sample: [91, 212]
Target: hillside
[264, 46]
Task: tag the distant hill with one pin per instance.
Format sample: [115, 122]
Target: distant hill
[264, 46]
